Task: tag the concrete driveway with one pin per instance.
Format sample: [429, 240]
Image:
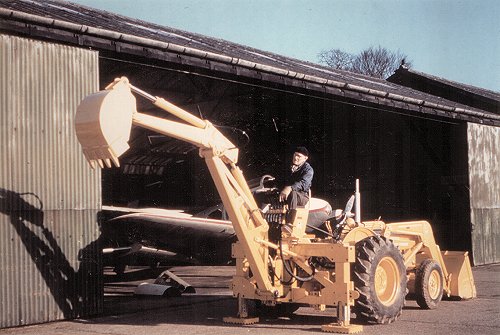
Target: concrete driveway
[202, 313]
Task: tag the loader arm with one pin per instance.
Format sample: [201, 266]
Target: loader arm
[103, 123]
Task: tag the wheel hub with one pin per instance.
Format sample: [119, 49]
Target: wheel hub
[434, 284]
[387, 280]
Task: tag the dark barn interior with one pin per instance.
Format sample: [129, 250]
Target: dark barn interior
[410, 167]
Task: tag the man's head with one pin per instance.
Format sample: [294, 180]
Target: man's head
[300, 155]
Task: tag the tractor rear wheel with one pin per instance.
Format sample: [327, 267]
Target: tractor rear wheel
[428, 284]
[379, 275]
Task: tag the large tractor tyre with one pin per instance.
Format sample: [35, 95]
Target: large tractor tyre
[429, 284]
[379, 275]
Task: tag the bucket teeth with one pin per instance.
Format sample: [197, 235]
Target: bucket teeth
[101, 157]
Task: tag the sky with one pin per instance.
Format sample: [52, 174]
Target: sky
[455, 39]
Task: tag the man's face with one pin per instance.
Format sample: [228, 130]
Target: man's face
[298, 158]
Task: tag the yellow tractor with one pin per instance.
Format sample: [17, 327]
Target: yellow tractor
[368, 266]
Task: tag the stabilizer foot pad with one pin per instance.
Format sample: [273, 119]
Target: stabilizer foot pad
[336, 328]
[240, 321]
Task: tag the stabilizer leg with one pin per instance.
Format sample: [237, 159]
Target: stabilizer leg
[343, 324]
[242, 317]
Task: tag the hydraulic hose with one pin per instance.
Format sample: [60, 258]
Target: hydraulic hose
[290, 272]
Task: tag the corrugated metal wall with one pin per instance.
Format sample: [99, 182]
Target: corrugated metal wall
[484, 179]
[49, 198]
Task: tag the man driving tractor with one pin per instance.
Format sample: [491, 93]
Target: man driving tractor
[298, 182]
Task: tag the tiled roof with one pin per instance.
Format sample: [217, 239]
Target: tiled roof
[461, 93]
[93, 22]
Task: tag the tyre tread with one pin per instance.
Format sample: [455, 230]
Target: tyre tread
[366, 307]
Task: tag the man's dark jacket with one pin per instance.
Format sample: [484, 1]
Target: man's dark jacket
[301, 180]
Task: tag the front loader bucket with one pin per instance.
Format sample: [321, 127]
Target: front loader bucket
[458, 266]
[103, 122]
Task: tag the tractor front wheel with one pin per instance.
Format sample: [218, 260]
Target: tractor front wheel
[379, 275]
[429, 284]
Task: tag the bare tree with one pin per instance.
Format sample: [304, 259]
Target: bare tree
[336, 58]
[376, 62]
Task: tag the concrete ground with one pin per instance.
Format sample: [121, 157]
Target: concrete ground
[202, 312]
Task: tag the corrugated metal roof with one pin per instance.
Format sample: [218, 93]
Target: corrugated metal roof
[92, 22]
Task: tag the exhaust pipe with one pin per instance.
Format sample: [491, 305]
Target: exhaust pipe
[357, 205]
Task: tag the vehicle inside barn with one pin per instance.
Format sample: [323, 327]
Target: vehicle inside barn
[410, 166]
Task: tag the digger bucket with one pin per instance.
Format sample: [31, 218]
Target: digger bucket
[458, 266]
[103, 122]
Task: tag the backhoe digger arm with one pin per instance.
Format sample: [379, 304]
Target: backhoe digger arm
[103, 123]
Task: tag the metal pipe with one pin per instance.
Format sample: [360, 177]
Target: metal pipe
[357, 206]
[180, 113]
[142, 93]
[171, 108]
